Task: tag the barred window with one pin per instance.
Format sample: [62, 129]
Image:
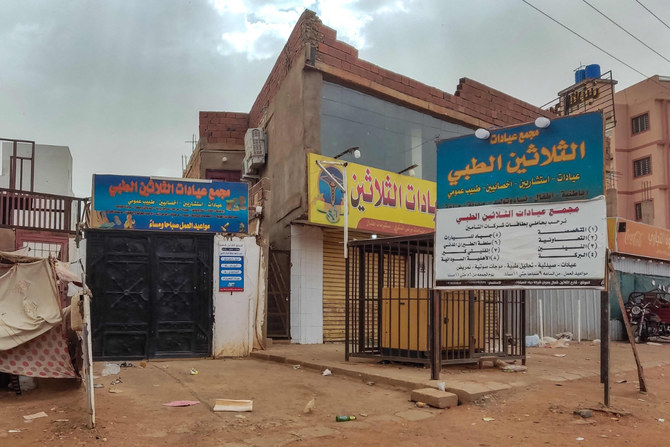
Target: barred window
[640, 123]
[642, 167]
[638, 211]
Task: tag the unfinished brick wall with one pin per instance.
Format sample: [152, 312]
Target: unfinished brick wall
[472, 103]
[223, 128]
[304, 32]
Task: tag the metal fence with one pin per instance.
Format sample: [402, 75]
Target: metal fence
[39, 211]
[392, 311]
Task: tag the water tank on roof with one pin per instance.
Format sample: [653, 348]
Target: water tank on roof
[580, 75]
[592, 71]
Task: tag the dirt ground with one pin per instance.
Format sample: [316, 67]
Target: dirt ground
[538, 414]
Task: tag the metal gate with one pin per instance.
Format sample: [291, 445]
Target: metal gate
[279, 291]
[392, 311]
[152, 294]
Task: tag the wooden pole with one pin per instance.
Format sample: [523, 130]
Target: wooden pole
[631, 338]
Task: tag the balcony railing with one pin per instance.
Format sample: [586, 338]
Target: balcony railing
[38, 211]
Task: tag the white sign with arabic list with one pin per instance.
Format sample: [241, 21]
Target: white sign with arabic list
[549, 245]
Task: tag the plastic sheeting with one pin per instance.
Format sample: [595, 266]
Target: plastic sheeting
[29, 303]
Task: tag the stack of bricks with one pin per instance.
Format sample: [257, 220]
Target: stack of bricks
[224, 129]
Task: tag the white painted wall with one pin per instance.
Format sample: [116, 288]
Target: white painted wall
[236, 313]
[306, 284]
[53, 168]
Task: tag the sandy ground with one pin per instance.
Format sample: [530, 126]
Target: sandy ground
[540, 413]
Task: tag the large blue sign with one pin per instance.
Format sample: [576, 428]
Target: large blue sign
[523, 164]
[150, 203]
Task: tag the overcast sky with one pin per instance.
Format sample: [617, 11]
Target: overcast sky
[121, 82]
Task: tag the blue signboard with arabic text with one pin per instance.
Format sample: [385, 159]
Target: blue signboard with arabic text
[152, 203]
[523, 164]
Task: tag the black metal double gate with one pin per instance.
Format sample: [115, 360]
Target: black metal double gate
[152, 294]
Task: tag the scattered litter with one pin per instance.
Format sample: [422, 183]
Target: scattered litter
[596, 341]
[421, 405]
[344, 418]
[661, 420]
[309, 406]
[326, 372]
[546, 341]
[363, 414]
[651, 343]
[580, 439]
[641, 400]
[532, 340]
[622, 381]
[296, 366]
[30, 417]
[233, 405]
[514, 368]
[584, 412]
[181, 403]
[127, 365]
[560, 355]
[240, 416]
[369, 383]
[116, 381]
[115, 390]
[567, 335]
[111, 369]
[558, 384]
[488, 419]
[62, 420]
[194, 372]
[561, 343]
[98, 385]
[143, 364]
[442, 386]
[13, 431]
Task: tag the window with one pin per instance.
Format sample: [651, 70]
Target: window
[391, 137]
[642, 167]
[638, 211]
[640, 123]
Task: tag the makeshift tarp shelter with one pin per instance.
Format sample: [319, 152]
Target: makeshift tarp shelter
[33, 334]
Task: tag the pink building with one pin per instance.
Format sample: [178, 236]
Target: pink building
[642, 151]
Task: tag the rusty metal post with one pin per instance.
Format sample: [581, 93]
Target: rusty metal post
[605, 345]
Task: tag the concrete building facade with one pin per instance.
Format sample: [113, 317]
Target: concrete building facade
[321, 98]
[642, 151]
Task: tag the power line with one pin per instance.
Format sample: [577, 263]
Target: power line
[650, 12]
[625, 30]
[585, 39]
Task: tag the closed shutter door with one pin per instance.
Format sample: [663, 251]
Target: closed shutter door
[334, 277]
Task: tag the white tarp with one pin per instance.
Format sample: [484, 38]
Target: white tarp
[29, 304]
[529, 246]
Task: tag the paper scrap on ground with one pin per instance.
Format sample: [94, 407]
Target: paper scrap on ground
[233, 405]
[181, 403]
[30, 417]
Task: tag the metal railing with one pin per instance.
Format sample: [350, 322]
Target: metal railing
[38, 211]
[391, 309]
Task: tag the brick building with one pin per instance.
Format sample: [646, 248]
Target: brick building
[321, 98]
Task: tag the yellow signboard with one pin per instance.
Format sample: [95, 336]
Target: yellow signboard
[379, 201]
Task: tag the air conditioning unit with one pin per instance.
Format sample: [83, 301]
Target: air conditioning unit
[255, 150]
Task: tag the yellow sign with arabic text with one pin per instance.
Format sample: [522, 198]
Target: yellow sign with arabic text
[379, 201]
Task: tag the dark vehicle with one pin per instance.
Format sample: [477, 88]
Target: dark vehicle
[649, 314]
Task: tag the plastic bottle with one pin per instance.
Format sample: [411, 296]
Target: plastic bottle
[345, 418]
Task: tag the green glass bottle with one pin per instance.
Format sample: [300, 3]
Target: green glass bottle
[345, 418]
